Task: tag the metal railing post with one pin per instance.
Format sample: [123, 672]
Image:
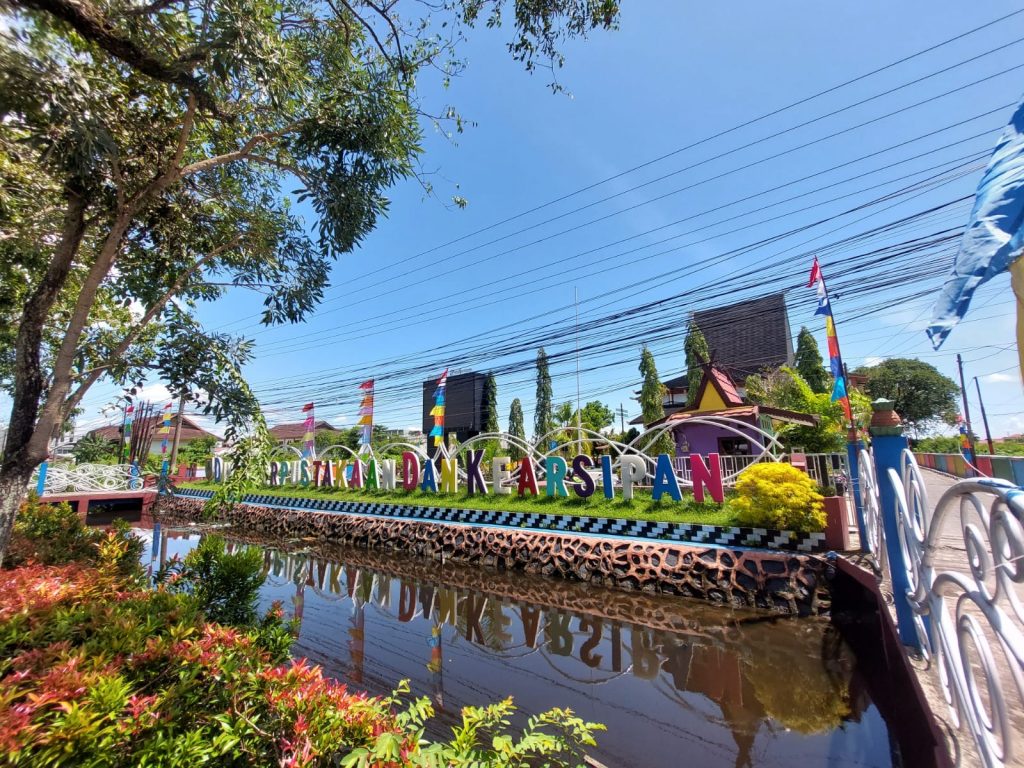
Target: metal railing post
[888, 443]
[853, 448]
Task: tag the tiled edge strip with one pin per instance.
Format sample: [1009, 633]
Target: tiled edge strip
[763, 538]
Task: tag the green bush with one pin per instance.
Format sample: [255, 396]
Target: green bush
[53, 534]
[226, 585]
[777, 495]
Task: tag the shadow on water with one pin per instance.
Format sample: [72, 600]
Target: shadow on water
[676, 682]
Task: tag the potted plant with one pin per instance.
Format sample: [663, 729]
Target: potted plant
[837, 518]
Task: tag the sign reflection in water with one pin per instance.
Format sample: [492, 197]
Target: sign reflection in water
[671, 678]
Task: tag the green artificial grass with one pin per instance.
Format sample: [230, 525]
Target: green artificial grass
[642, 506]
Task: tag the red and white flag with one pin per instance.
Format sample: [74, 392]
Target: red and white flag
[815, 273]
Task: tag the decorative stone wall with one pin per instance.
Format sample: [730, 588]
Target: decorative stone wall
[781, 582]
[691, 533]
[322, 562]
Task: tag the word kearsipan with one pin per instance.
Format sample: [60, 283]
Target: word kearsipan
[443, 476]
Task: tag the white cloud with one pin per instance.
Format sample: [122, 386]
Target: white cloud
[999, 378]
[871, 362]
[157, 394]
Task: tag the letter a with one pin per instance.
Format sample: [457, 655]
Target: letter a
[527, 477]
[665, 479]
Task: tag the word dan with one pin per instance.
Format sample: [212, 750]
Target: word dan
[581, 475]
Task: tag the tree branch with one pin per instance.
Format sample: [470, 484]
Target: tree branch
[241, 154]
[129, 338]
[28, 372]
[373, 33]
[91, 24]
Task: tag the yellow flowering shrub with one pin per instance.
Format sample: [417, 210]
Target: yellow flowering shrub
[776, 495]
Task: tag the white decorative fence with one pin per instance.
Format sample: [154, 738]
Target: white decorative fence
[821, 467]
[85, 478]
[963, 564]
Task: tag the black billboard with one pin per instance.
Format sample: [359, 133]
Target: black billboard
[464, 406]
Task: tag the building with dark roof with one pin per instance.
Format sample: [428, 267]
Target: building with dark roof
[746, 337]
[743, 339]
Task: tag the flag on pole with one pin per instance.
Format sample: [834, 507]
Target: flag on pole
[129, 417]
[165, 431]
[835, 360]
[165, 427]
[309, 430]
[993, 240]
[965, 440]
[438, 410]
[366, 413]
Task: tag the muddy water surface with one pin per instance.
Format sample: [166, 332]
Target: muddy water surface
[677, 682]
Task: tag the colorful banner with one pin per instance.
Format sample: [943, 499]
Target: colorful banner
[835, 360]
[965, 441]
[308, 429]
[129, 417]
[165, 431]
[366, 414]
[437, 433]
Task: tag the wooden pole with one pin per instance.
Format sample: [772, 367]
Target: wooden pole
[177, 435]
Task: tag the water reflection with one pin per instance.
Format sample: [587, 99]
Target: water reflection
[676, 682]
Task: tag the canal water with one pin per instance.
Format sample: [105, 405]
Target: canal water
[676, 682]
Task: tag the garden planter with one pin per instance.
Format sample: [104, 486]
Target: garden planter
[837, 527]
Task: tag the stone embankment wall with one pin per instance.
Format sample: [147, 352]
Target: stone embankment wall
[778, 581]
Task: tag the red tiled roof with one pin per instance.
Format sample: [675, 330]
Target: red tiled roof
[189, 429]
[296, 430]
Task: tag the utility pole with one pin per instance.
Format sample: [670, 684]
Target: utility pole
[622, 418]
[173, 465]
[579, 412]
[967, 410]
[984, 419]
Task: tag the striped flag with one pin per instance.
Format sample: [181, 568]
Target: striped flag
[366, 413]
[309, 432]
[835, 360]
[438, 410]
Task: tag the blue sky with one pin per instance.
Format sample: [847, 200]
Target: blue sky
[672, 75]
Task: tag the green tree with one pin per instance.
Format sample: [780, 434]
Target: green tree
[93, 449]
[325, 438]
[652, 401]
[923, 397]
[491, 404]
[149, 152]
[198, 450]
[697, 354]
[543, 420]
[516, 428]
[565, 414]
[597, 416]
[786, 389]
[808, 362]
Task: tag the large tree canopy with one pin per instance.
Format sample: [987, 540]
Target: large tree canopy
[150, 156]
[922, 396]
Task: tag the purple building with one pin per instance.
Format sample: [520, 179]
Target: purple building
[718, 397]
